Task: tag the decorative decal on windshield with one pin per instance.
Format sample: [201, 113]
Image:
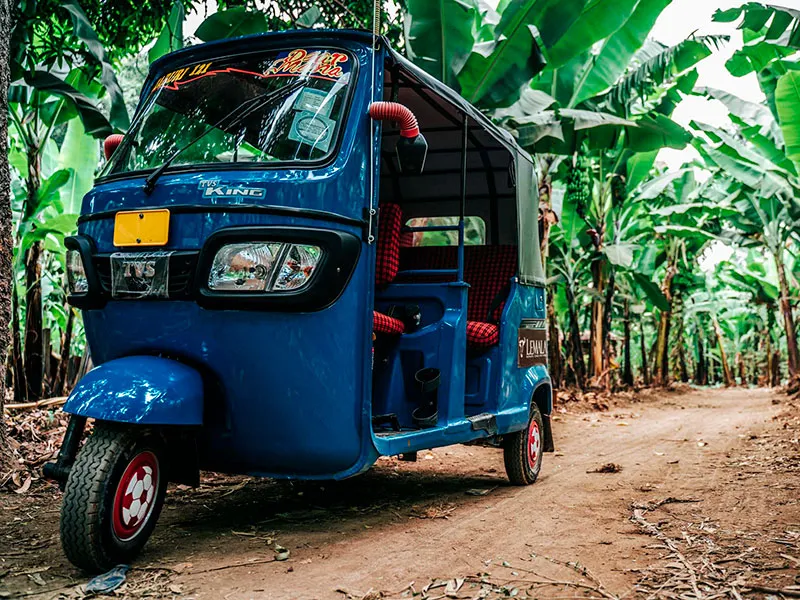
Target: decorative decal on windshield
[314, 63]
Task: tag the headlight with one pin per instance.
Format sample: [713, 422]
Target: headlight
[263, 267]
[77, 283]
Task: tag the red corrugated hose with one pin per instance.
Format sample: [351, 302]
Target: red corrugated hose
[110, 144]
[394, 111]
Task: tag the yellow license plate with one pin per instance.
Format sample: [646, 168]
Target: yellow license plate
[141, 227]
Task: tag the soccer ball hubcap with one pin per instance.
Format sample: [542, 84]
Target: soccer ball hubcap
[534, 444]
[135, 496]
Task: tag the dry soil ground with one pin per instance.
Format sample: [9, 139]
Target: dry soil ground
[703, 501]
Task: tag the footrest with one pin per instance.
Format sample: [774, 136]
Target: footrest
[484, 421]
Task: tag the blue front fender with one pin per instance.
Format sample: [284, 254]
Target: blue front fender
[145, 390]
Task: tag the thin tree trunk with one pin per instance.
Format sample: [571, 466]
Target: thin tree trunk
[6, 243]
[596, 323]
[34, 347]
[792, 352]
[606, 338]
[575, 340]
[775, 375]
[741, 369]
[627, 370]
[66, 341]
[684, 370]
[661, 366]
[20, 387]
[726, 371]
[768, 345]
[554, 347]
[661, 370]
[643, 344]
[701, 370]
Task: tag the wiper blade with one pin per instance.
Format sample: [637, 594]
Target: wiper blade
[245, 109]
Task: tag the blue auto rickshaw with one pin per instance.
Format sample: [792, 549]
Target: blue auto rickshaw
[281, 276]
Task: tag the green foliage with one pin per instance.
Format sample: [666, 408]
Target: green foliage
[171, 37]
[787, 102]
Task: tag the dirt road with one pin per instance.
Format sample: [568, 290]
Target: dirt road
[451, 515]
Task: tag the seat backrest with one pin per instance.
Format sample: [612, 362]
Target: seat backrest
[487, 270]
[387, 260]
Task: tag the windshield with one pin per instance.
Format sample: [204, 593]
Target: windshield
[194, 101]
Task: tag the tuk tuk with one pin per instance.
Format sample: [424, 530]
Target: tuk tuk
[281, 276]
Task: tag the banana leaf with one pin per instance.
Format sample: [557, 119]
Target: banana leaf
[787, 102]
[439, 36]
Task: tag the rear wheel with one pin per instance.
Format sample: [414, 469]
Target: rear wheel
[522, 450]
[113, 497]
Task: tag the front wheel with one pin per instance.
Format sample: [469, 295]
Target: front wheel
[113, 497]
[522, 450]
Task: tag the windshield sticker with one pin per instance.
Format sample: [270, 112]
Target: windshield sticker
[314, 101]
[172, 79]
[312, 129]
[316, 63]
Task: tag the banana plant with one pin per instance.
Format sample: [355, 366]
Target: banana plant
[761, 201]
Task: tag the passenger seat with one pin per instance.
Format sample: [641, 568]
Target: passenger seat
[488, 271]
[387, 263]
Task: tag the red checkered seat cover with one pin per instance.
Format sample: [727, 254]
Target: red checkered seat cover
[382, 323]
[487, 269]
[387, 263]
[387, 260]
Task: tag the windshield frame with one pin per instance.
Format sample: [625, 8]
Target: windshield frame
[147, 97]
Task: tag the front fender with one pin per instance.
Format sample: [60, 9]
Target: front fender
[145, 390]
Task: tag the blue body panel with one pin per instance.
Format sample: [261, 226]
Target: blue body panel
[290, 395]
[145, 390]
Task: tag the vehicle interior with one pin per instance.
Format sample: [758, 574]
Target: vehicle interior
[422, 271]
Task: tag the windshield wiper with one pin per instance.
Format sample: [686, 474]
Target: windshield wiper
[246, 108]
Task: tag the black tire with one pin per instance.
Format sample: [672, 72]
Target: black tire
[521, 467]
[92, 537]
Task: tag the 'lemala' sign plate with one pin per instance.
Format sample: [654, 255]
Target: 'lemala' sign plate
[532, 343]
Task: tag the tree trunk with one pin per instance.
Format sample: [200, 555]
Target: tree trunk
[643, 344]
[606, 339]
[20, 387]
[701, 370]
[6, 244]
[684, 370]
[768, 348]
[661, 369]
[596, 323]
[34, 348]
[578, 365]
[627, 370]
[775, 374]
[741, 369]
[661, 366]
[553, 342]
[726, 371]
[60, 387]
[792, 352]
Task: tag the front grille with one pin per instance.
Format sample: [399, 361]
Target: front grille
[182, 267]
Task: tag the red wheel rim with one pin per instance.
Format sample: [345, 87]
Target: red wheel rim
[534, 444]
[135, 496]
